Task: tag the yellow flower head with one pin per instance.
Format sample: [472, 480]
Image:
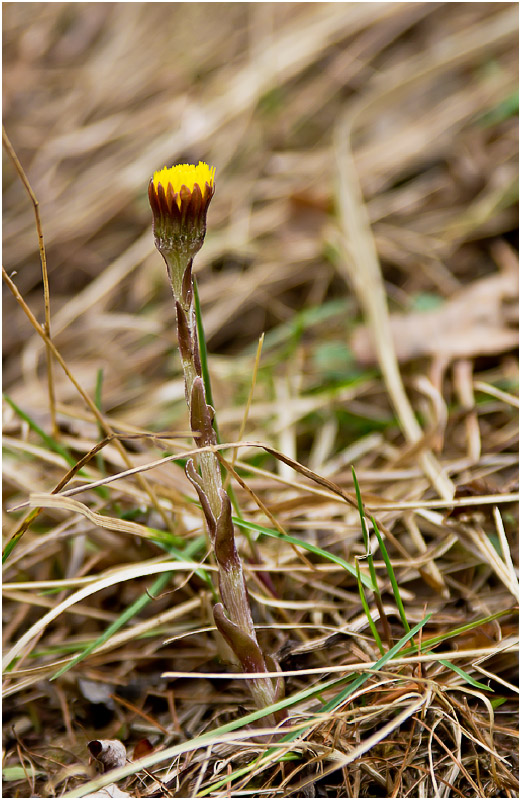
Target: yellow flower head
[179, 197]
[187, 175]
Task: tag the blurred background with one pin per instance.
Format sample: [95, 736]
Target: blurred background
[99, 95]
[279, 97]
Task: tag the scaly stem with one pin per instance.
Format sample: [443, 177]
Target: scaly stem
[236, 625]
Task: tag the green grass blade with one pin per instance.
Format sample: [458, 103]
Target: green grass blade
[118, 623]
[12, 543]
[365, 533]
[365, 605]
[311, 548]
[465, 675]
[137, 606]
[395, 649]
[434, 641]
[203, 351]
[392, 577]
[49, 441]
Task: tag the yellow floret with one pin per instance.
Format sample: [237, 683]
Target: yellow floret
[184, 175]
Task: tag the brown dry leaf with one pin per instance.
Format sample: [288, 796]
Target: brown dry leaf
[143, 748]
[472, 323]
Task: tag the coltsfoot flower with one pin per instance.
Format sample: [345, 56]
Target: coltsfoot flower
[179, 197]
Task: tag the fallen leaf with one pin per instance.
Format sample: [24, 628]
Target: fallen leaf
[472, 323]
[142, 748]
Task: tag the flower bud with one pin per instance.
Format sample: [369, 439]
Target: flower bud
[179, 197]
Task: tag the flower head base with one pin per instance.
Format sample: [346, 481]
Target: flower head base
[179, 197]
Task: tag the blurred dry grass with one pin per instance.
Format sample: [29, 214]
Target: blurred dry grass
[279, 97]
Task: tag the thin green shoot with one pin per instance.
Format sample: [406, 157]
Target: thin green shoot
[464, 675]
[370, 561]
[366, 608]
[13, 541]
[311, 548]
[434, 641]
[203, 353]
[130, 612]
[365, 533]
[392, 578]
[134, 609]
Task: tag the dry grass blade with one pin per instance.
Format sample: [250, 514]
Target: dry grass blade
[43, 260]
[361, 260]
[415, 704]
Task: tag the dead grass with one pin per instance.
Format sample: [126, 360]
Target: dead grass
[364, 218]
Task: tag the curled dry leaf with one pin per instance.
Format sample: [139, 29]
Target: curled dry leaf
[111, 753]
